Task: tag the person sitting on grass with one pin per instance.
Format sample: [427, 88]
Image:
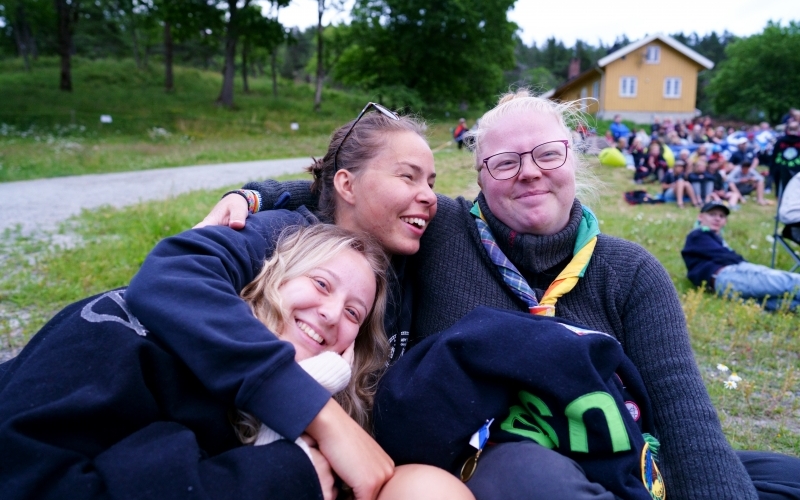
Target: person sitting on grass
[637, 150]
[653, 165]
[747, 179]
[701, 181]
[675, 186]
[619, 129]
[724, 191]
[712, 263]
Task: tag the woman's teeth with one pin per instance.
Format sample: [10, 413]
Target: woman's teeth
[310, 332]
[414, 221]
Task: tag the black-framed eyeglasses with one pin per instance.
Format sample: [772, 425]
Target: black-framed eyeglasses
[547, 156]
[382, 109]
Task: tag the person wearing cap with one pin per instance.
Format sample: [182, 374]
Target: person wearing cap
[711, 262]
[747, 180]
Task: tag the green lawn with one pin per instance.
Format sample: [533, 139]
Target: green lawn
[45, 132]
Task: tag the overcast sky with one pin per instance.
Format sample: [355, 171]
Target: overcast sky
[596, 20]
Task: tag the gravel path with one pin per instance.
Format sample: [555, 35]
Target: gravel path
[40, 205]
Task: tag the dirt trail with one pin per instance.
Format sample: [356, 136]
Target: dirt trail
[40, 205]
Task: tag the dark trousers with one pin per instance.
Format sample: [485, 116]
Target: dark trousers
[525, 470]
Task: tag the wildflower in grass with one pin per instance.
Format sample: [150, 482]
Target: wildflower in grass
[722, 368]
[730, 384]
[734, 378]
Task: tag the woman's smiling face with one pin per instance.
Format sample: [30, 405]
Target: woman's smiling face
[327, 305]
[536, 201]
[392, 197]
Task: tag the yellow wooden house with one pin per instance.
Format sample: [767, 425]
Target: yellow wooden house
[654, 77]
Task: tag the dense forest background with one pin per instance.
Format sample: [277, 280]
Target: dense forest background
[412, 53]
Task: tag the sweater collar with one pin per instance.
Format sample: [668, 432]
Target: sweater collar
[531, 252]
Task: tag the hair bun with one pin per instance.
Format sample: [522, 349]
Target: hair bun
[316, 167]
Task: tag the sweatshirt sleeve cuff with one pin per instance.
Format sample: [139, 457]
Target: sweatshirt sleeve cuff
[288, 387]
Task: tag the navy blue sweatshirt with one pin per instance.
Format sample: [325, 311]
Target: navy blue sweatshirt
[568, 388]
[95, 407]
[705, 253]
[187, 294]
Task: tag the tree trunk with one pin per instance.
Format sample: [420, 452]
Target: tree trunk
[274, 65]
[134, 38]
[229, 71]
[22, 35]
[245, 86]
[67, 16]
[169, 83]
[320, 73]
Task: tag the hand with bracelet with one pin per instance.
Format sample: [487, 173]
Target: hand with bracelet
[232, 209]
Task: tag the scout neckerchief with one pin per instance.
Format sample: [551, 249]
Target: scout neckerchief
[564, 282]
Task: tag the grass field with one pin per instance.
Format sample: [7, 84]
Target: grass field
[45, 132]
[38, 277]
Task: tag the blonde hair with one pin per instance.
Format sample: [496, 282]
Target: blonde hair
[298, 251]
[568, 115]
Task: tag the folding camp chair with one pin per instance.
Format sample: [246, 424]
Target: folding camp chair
[786, 161]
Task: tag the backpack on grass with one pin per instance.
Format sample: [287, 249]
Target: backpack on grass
[640, 196]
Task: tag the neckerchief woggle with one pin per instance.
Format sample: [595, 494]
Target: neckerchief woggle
[564, 282]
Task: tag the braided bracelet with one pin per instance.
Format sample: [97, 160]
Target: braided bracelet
[252, 197]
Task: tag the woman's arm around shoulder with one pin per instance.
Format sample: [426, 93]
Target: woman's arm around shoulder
[187, 295]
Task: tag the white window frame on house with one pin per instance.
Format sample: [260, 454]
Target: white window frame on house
[628, 85]
[596, 90]
[652, 54]
[672, 87]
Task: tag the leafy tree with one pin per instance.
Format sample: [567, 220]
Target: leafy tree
[29, 23]
[321, 8]
[238, 20]
[297, 52]
[259, 31]
[446, 51]
[711, 46]
[184, 20]
[231, 38]
[761, 74]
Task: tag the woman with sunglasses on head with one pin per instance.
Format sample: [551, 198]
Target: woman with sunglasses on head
[377, 177]
[528, 215]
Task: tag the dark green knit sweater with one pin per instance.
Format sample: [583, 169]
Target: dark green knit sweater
[625, 292]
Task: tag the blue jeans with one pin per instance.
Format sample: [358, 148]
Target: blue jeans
[754, 281]
[669, 196]
[526, 470]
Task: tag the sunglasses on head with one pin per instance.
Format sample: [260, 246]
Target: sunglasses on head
[382, 109]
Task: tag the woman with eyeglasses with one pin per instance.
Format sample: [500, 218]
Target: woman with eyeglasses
[528, 215]
[377, 177]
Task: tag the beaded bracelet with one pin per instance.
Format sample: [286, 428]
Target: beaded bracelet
[252, 197]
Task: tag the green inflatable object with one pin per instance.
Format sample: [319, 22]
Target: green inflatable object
[668, 155]
[611, 157]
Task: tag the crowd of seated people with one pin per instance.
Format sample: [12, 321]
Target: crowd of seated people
[712, 163]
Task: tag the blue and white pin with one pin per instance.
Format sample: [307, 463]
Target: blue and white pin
[477, 441]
